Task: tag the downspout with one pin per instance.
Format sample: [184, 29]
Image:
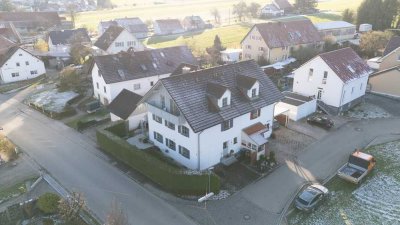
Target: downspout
[198, 150]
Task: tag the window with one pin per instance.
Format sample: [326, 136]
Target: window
[99, 73]
[255, 114]
[352, 90]
[225, 145]
[158, 137]
[170, 144]
[169, 125]
[20, 54]
[248, 47]
[136, 86]
[361, 86]
[254, 92]
[310, 74]
[398, 57]
[152, 83]
[260, 49]
[162, 102]
[131, 43]
[325, 77]
[27, 63]
[119, 44]
[18, 64]
[157, 119]
[15, 74]
[34, 72]
[235, 141]
[183, 130]
[97, 84]
[224, 102]
[105, 89]
[226, 125]
[184, 152]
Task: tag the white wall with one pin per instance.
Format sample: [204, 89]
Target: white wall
[298, 112]
[112, 90]
[210, 140]
[124, 37]
[358, 86]
[58, 48]
[21, 57]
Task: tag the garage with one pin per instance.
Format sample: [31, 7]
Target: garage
[297, 106]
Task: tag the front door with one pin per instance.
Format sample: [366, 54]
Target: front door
[319, 95]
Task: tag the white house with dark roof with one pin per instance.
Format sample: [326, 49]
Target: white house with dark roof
[168, 26]
[339, 31]
[17, 64]
[205, 117]
[60, 40]
[126, 106]
[134, 25]
[135, 71]
[116, 39]
[337, 79]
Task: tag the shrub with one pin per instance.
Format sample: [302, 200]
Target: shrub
[48, 221]
[48, 203]
[7, 149]
[160, 172]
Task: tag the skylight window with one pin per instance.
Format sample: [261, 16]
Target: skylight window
[144, 68]
[162, 54]
[351, 69]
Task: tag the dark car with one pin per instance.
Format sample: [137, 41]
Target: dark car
[321, 121]
[310, 197]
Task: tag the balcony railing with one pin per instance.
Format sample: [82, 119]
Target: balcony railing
[171, 116]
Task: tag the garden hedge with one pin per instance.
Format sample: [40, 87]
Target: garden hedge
[159, 171]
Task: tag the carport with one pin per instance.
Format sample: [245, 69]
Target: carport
[281, 115]
[296, 106]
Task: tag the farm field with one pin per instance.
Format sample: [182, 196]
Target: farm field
[374, 202]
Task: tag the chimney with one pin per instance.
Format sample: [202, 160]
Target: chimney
[185, 69]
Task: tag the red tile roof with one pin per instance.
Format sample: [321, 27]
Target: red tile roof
[254, 128]
[282, 34]
[346, 64]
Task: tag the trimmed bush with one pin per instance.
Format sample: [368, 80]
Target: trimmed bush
[170, 178]
[7, 149]
[48, 203]
[120, 129]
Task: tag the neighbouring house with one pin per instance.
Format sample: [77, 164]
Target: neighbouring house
[60, 40]
[297, 106]
[26, 22]
[167, 26]
[8, 30]
[135, 71]
[274, 41]
[339, 31]
[390, 57]
[116, 39]
[133, 25]
[283, 5]
[386, 82]
[17, 64]
[126, 107]
[337, 79]
[276, 8]
[231, 55]
[205, 117]
[190, 23]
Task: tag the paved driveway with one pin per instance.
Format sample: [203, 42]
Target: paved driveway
[73, 160]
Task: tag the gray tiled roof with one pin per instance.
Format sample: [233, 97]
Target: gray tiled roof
[124, 104]
[64, 36]
[108, 37]
[134, 65]
[189, 92]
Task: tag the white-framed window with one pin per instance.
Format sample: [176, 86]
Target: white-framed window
[255, 114]
[131, 43]
[224, 102]
[235, 140]
[225, 145]
[34, 72]
[18, 64]
[105, 89]
[20, 54]
[169, 125]
[136, 86]
[325, 77]
[226, 125]
[183, 130]
[170, 144]
[27, 63]
[16, 74]
[152, 83]
[184, 152]
[158, 137]
[157, 119]
[254, 92]
[310, 74]
[119, 44]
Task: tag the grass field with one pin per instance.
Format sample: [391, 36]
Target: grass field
[230, 37]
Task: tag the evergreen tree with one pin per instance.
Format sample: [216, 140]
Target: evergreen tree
[306, 5]
[348, 16]
[389, 13]
[215, 51]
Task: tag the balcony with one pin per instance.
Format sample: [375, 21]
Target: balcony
[171, 116]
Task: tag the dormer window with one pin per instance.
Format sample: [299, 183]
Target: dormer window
[253, 92]
[219, 96]
[224, 102]
[249, 86]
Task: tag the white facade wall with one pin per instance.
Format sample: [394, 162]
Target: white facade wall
[58, 48]
[206, 147]
[298, 112]
[124, 37]
[112, 90]
[134, 120]
[334, 92]
[252, 45]
[23, 58]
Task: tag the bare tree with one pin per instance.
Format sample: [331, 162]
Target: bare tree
[71, 207]
[217, 15]
[240, 10]
[117, 215]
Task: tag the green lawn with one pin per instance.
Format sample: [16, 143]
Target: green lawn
[15, 190]
[230, 37]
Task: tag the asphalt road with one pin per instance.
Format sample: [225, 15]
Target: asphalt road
[73, 160]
